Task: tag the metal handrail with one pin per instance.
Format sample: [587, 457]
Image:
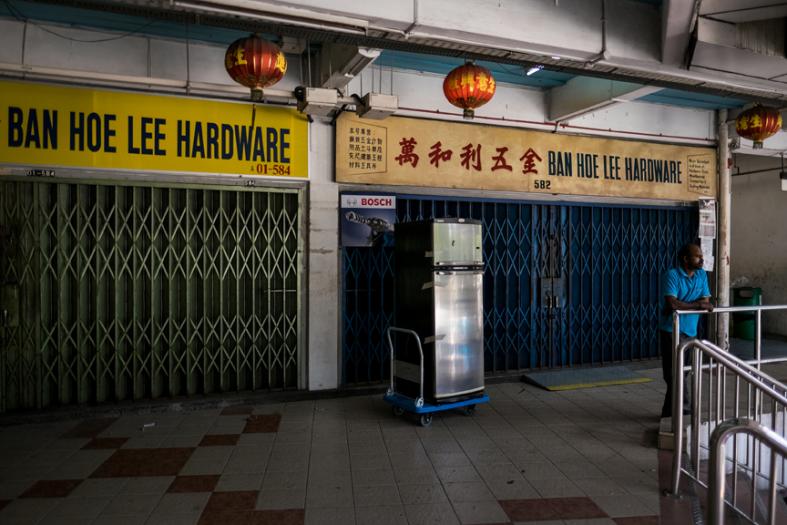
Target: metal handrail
[729, 309]
[718, 457]
[757, 309]
[760, 385]
[736, 366]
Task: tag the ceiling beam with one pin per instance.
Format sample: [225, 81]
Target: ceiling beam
[339, 63]
[676, 20]
[739, 11]
[582, 95]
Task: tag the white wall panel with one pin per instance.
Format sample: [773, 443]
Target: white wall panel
[129, 55]
[206, 64]
[669, 121]
[125, 56]
[759, 237]
[167, 59]
[11, 41]
[424, 92]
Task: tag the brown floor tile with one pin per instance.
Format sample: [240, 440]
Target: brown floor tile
[637, 520]
[237, 410]
[131, 463]
[222, 502]
[265, 423]
[90, 428]
[225, 517]
[51, 488]
[194, 484]
[279, 517]
[253, 517]
[105, 443]
[218, 440]
[551, 509]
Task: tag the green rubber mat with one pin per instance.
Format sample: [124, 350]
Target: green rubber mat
[573, 378]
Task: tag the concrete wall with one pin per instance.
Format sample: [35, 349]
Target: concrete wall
[323, 245]
[759, 235]
[420, 95]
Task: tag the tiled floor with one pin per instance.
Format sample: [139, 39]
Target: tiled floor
[530, 456]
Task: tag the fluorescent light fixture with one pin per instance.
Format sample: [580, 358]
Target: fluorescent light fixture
[555, 57]
[534, 69]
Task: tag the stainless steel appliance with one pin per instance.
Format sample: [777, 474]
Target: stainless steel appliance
[439, 295]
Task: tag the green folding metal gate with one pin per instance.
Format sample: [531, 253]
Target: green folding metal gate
[123, 291]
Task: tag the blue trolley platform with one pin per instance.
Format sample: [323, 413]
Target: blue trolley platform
[418, 406]
[402, 404]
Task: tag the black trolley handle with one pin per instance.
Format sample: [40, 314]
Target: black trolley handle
[420, 401]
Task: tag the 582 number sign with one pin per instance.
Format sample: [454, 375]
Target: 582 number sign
[542, 184]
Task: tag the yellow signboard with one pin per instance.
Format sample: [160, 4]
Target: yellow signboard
[415, 152]
[53, 126]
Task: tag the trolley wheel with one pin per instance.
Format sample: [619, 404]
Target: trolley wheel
[425, 420]
[469, 410]
[398, 411]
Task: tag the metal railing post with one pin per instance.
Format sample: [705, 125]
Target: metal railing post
[718, 458]
[762, 386]
[758, 337]
[677, 415]
[677, 368]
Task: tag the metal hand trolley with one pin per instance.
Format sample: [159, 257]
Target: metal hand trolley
[418, 406]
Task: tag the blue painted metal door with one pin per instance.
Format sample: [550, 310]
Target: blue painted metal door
[549, 245]
[564, 284]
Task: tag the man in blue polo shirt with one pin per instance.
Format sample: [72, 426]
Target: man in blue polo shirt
[683, 288]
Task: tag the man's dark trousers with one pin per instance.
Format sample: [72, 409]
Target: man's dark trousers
[665, 344]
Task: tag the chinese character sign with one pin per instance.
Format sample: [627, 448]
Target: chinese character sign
[365, 148]
[428, 153]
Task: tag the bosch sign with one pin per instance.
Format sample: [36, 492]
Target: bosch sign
[384, 202]
[369, 201]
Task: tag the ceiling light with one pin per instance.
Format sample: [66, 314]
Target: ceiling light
[534, 69]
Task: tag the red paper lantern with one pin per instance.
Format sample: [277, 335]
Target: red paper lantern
[468, 87]
[255, 63]
[758, 123]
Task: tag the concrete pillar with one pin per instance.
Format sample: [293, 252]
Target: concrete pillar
[725, 208]
[324, 304]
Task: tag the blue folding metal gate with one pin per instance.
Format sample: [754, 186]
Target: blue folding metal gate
[564, 284]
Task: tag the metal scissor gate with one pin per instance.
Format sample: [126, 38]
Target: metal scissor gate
[124, 291]
[565, 284]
